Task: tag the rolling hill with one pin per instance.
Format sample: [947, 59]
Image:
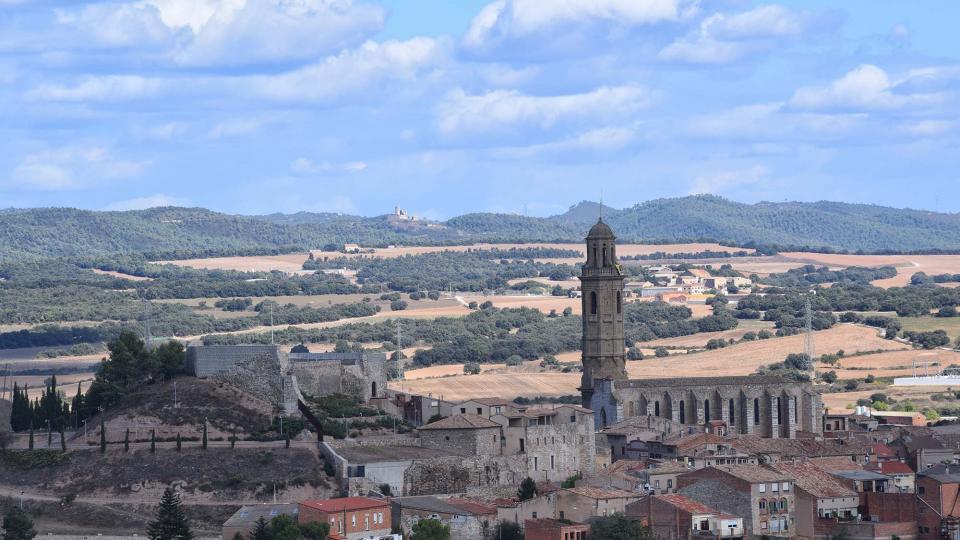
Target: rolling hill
[186, 232]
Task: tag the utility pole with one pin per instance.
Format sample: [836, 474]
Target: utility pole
[271, 325]
[174, 394]
[399, 352]
[808, 326]
[6, 371]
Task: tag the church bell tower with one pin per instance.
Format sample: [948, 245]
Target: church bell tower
[602, 284]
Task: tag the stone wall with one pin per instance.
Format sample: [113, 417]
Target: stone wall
[481, 442]
[716, 493]
[362, 378]
[260, 377]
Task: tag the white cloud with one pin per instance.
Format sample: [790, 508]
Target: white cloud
[866, 87]
[504, 20]
[929, 128]
[607, 139]
[237, 127]
[101, 88]
[372, 64]
[719, 182]
[304, 166]
[773, 121]
[71, 168]
[723, 38]
[503, 109]
[229, 32]
[151, 201]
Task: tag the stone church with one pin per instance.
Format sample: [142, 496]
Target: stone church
[768, 406]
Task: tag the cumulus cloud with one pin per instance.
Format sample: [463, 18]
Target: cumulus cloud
[866, 87]
[229, 32]
[773, 121]
[71, 168]
[374, 64]
[722, 38]
[101, 88]
[460, 112]
[150, 201]
[504, 21]
[304, 166]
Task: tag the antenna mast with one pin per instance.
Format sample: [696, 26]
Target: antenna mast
[399, 352]
[808, 327]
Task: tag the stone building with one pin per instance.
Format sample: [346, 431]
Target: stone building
[675, 517]
[359, 374]
[467, 434]
[766, 405]
[557, 442]
[763, 497]
[468, 520]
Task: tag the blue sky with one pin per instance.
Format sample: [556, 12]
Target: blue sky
[446, 107]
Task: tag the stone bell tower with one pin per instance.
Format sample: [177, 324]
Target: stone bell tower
[602, 284]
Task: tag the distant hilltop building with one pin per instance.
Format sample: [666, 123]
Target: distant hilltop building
[768, 406]
[401, 215]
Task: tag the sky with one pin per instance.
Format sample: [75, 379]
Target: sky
[445, 107]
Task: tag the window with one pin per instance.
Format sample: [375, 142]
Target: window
[774, 487]
[604, 255]
[763, 524]
[479, 411]
[762, 505]
[534, 515]
[573, 418]
[783, 524]
[779, 411]
[704, 525]
[783, 505]
[669, 483]
[535, 462]
[756, 410]
[706, 410]
[763, 488]
[730, 413]
[551, 462]
[786, 486]
[921, 490]
[619, 302]
[593, 303]
[656, 408]
[494, 438]
[446, 437]
[656, 484]
[496, 410]
[683, 413]
[561, 515]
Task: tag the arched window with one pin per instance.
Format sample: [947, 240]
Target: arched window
[603, 418]
[783, 505]
[656, 408]
[779, 411]
[756, 410]
[683, 413]
[783, 524]
[763, 505]
[706, 410]
[619, 303]
[373, 389]
[732, 416]
[604, 263]
[595, 261]
[593, 303]
[795, 409]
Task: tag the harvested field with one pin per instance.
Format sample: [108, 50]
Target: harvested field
[291, 263]
[918, 395]
[925, 324]
[444, 370]
[543, 303]
[893, 364]
[906, 265]
[131, 277]
[700, 340]
[740, 359]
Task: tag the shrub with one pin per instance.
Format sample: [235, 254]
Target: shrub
[829, 377]
[661, 352]
[514, 360]
[398, 305]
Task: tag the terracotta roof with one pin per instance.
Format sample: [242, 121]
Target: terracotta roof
[668, 467]
[692, 441]
[836, 463]
[553, 524]
[689, 505]
[814, 480]
[504, 502]
[462, 421]
[491, 401]
[882, 451]
[472, 507]
[546, 487]
[598, 493]
[753, 473]
[806, 448]
[895, 467]
[345, 504]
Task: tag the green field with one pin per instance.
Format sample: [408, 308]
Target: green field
[925, 324]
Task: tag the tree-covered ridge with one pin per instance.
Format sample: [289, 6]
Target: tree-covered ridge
[168, 233]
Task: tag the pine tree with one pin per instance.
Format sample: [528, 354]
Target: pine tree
[76, 407]
[528, 489]
[17, 526]
[171, 522]
[103, 437]
[261, 530]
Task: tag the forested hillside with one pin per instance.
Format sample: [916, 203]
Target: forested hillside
[188, 232]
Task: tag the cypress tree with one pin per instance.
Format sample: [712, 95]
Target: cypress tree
[153, 441]
[76, 407]
[126, 441]
[103, 437]
[204, 443]
[286, 438]
[30, 444]
[233, 440]
[171, 522]
[179, 443]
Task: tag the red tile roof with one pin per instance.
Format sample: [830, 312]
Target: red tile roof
[345, 504]
[814, 480]
[688, 505]
[882, 451]
[895, 467]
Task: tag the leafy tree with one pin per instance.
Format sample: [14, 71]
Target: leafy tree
[829, 377]
[471, 368]
[799, 361]
[315, 531]
[634, 353]
[398, 305]
[300, 348]
[506, 530]
[514, 360]
[661, 352]
[284, 527]
[528, 489]
[17, 525]
[169, 358]
[430, 529]
[261, 529]
[171, 522]
[618, 527]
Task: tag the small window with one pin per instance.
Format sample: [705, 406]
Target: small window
[619, 303]
[921, 490]
[774, 487]
[479, 411]
[669, 483]
[534, 514]
[786, 486]
[446, 437]
[763, 488]
[593, 303]
[463, 410]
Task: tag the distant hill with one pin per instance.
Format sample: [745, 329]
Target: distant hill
[181, 232]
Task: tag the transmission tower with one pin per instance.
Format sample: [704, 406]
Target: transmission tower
[808, 327]
[399, 352]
